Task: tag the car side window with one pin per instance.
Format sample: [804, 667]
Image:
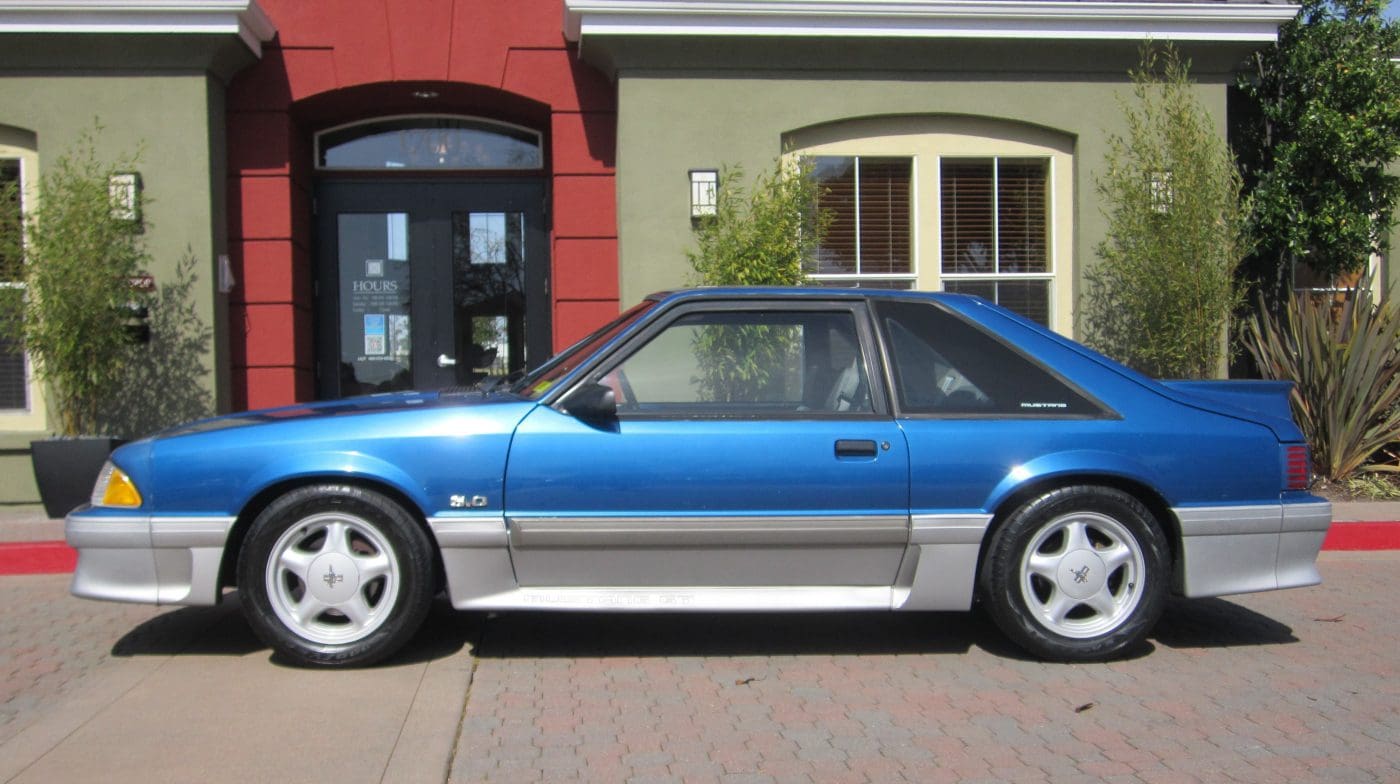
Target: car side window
[943, 365]
[746, 363]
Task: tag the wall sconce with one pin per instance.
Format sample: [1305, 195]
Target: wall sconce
[1160, 191]
[704, 192]
[124, 191]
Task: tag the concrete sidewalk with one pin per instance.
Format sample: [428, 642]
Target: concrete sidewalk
[191, 694]
[28, 523]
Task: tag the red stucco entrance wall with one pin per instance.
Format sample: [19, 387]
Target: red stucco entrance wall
[356, 59]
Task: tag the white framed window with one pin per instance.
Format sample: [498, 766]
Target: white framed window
[990, 208]
[21, 398]
[870, 241]
[995, 231]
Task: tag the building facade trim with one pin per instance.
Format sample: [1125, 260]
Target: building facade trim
[1014, 19]
[243, 18]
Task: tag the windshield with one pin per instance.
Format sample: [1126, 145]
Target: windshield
[541, 379]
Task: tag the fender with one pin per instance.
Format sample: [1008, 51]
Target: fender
[331, 464]
[1071, 463]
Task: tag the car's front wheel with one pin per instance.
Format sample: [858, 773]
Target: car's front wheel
[335, 576]
[1078, 574]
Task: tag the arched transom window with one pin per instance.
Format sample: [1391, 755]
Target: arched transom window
[434, 142]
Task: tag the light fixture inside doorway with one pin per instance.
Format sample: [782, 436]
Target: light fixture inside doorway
[704, 192]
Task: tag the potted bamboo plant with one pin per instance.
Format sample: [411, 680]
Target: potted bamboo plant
[76, 251]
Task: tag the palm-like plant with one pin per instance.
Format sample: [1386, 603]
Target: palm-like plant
[1344, 361]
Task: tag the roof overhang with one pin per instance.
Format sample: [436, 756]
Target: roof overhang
[1007, 19]
[243, 18]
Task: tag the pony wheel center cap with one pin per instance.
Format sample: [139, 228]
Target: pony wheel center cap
[1082, 573]
[333, 578]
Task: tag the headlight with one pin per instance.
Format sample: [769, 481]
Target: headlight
[115, 488]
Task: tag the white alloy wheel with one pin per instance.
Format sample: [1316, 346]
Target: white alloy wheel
[1080, 574]
[332, 578]
[1077, 573]
[334, 575]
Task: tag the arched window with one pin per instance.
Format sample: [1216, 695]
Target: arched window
[442, 143]
[975, 205]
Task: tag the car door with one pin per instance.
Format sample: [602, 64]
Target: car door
[749, 448]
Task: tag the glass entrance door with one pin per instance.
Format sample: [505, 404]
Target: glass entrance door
[426, 285]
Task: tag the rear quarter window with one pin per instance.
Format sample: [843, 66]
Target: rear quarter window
[944, 365]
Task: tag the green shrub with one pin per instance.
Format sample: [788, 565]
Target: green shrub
[76, 256]
[1344, 361]
[1160, 296]
[765, 234]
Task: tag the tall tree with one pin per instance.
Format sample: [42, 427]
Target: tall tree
[1164, 287]
[1316, 152]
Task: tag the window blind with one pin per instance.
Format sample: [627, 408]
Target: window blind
[967, 224]
[885, 216]
[14, 393]
[995, 222]
[837, 178]
[1022, 228]
[869, 200]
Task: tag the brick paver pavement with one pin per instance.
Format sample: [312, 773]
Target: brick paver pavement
[1295, 685]
[1290, 686]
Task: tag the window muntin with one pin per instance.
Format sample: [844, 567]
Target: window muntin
[14, 381]
[943, 365]
[746, 363]
[869, 243]
[995, 231]
[429, 142]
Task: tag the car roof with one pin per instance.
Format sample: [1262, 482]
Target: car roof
[799, 292]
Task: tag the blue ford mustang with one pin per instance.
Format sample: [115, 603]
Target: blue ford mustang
[741, 449]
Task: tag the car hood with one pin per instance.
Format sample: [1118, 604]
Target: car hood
[381, 403]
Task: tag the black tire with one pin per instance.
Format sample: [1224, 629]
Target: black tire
[367, 611]
[1109, 563]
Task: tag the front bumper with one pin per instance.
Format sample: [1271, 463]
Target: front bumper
[1241, 549]
[151, 560]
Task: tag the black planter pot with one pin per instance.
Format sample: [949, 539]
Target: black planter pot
[67, 468]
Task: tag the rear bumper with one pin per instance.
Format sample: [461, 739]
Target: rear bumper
[138, 558]
[1241, 549]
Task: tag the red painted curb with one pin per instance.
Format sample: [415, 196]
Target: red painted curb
[37, 558]
[59, 558]
[1363, 536]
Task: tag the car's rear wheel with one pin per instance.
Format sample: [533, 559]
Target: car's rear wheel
[335, 575]
[1078, 574]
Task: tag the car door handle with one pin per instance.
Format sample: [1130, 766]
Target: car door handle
[445, 361]
[856, 447]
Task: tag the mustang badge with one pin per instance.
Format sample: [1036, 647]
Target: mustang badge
[332, 578]
[1081, 575]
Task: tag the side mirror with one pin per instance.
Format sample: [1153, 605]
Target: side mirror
[593, 404]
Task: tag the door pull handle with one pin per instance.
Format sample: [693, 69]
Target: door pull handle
[444, 361]
[856, 447]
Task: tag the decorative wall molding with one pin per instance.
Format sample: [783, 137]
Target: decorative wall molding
[243, 18]
[1038, 19]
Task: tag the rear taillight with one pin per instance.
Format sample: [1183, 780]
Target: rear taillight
[1297, 468]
